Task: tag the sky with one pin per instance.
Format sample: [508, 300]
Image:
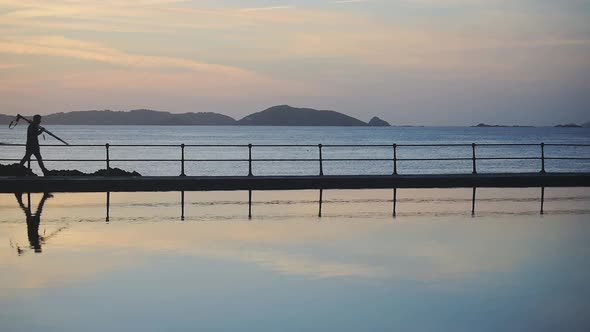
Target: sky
[420, 62]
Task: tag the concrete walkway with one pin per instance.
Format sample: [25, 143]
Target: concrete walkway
[228, 183]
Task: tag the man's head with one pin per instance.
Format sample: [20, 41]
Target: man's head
[37, 119]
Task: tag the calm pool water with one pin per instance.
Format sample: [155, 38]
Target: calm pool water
[433, 268]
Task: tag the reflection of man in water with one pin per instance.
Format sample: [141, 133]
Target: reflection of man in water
[33, 133]
[33, 220]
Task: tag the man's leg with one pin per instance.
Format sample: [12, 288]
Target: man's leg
[42, 203]
[40, 161]
[26, 158]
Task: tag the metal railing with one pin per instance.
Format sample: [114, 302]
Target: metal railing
[320, 159]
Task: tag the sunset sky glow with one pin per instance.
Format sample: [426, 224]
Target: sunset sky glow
[431, 62]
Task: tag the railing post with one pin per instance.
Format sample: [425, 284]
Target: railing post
[108, 217]
[321, 160]
[394, 202]
[250, 160]
[182, 205]
[107, 146]
[473, 157]
[320, 203]
[473, 202]
[542, 200]
[394, 159]
[182, 160]
[542, 158]
[249, 204]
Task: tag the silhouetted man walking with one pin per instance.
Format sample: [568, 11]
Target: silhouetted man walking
[33, 133]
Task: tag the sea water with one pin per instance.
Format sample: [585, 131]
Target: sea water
[239, 135]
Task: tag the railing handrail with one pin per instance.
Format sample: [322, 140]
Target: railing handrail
[305, 145]
[472, 156]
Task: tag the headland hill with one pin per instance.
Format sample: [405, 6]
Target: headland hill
[281, 115]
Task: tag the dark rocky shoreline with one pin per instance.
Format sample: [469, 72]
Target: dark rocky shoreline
[18, 170]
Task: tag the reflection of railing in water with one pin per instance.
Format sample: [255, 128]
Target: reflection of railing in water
[320, 203]
[471, 150]
[36, 240]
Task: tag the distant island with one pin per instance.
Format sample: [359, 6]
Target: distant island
[285, 115]
[282, 115]
[483, 125]
[376, 122]
[568, 125]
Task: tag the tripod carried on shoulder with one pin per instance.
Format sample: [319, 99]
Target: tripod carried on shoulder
[14, 122]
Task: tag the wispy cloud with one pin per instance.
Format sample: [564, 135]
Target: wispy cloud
[258, 9]
[349, 1]
[9, 66]
[70, 48]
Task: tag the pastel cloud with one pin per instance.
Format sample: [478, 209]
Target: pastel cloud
[348, 1]
[9, 66]
[70, 48]
[255, 9]
[288, 32]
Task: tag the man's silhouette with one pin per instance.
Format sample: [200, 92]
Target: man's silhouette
[33, 221]
[33, 133]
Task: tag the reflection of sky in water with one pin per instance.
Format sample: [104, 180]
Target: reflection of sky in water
[432, 268]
